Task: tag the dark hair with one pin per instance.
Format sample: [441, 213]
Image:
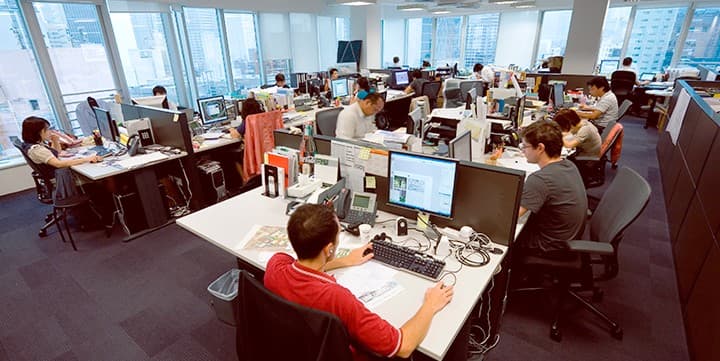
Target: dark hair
[161, 89]
[417, 74]
[426, 64]
[477, 67]
[31, 128]
[627, 61]
[279, 77]
[363, 83]
[547, 133]
[250, 106]
[566, 119]
[374, 98]
[310, 228]
[396, 59]
[599, 82]
[332, 70]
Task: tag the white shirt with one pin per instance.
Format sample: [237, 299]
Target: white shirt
[628, 68]
[352, 123]
[487, 74]
[608, 106]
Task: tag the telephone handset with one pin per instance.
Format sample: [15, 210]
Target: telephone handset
[133, 145]
[356, 207]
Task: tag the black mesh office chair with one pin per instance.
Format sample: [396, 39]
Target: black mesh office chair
[271, 328]
[620, 206]
[466, 85]
[44, 185]
[431, 89]
[622, 83]
[326, 121]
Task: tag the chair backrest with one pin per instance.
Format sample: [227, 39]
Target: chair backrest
[271, 328]
[259, 139]
[621, 204]
[431, 89]
[624, 107]
[609, 136]
[326, 121]
[466, 85]
[452, 98]
[622, 82]
[42, 177]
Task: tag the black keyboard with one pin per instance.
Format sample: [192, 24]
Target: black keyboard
[406, 259]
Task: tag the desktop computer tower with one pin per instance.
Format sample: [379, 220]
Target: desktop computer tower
[212, 180]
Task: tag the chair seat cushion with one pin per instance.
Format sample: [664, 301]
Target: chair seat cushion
[571, 262]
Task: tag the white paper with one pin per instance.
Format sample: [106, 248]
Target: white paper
[676, 118]
[326, 168]
[142, 159]
[354, 178]
[371, 282]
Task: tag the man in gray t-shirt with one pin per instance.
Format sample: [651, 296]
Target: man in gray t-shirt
[555, 194]
[606, 108]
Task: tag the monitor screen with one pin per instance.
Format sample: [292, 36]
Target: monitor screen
[105, 124]
[609, 66]
[339, 87]
[461, 147]
[470, 98]
[520, 112]
[422, 182]
[154, 101]
[401, 77]
[558, 94]
[647, 76]
[212, 109]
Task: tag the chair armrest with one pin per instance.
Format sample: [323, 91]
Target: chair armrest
[599, 248]
[587, 158]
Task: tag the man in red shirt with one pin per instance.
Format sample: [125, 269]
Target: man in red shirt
[314, 233]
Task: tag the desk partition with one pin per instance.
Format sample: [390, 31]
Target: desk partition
[170, 128]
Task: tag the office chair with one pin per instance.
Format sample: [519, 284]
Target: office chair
[326, 121]
[620, 206]
[431, 89]
[623, 109]
[592, 169]
[271, 328]
[622, 83]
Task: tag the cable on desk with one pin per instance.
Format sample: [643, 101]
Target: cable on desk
[481, 347]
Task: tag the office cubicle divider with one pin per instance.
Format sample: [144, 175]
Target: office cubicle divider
[170, 128]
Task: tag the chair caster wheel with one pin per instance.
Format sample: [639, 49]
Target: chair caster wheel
[597, 295]
[48, 218]
[617, 333]
[556, 335]
[42, 233]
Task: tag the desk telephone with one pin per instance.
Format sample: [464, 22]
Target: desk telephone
[356, 207]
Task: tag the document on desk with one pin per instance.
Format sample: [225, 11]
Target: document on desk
[676, 118]
[371, 282]
[142, 159]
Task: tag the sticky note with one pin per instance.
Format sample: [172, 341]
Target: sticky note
[370, 182]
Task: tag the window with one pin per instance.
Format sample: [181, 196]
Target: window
[481, 39]
[21, 88]
[613, 33]
[393, 41]
[447, 38]
[330, 31]
[342, 28]
[304, 43]
[142, 44]
[702, 45]
[243, 47]
[74, 37]
[205, 42]
[653, 38]
[275, 40]
[419, 41]
[553, 34]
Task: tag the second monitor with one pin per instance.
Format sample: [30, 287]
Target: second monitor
[212, 110]
[422, 183]
[339, 88]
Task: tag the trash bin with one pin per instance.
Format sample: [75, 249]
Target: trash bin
[224, 291]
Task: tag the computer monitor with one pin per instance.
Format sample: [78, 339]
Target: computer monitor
[558, 94]
[470, 98]
[154, 101]
[401, 77]
[520, 115]
[106, 125]
[421, 182]
[212, 109]
[647, 76]
[609, 66]
[396, 111]
[461, 147]
[339, 88]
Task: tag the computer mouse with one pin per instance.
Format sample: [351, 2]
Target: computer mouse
[367, 251]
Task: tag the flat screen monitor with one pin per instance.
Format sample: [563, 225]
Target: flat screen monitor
[401, 77]
[558, 94]
[339, 88]
[421, 182]
[609, 66]
[154, 101]
[212, 109]
[647, 76]
[461, 147]
[397, 110]
[470, 98]
[106, 125]
[520, 112]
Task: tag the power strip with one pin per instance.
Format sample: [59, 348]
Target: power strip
[300, 191]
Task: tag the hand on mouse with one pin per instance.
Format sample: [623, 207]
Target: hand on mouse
[359, 255]
[94, 159]
[438, 296]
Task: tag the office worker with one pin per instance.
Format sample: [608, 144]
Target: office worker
[627, 65]
[43, 146]
[416, 84]
[361, 89]
[166, 104]
[250, 106]
[396, 61]
[578, 133]
[314, 234]
[280, 81]
[484, 73]
[358, 119]
[334, 74]
[555, 194]
[426, 64]
[606, 108]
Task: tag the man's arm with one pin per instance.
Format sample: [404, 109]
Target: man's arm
[356, 257]
[415, 329]
[522, 211]
[589, 113]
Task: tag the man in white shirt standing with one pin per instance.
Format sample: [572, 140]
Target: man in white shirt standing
[358, 119]
[484, 73]
[606, 108]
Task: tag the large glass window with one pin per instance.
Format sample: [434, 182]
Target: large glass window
[447, 37]
[142, 44]
[613, 33]
[553, 34]
[74, 37]
[481, 39]
[654, 36]
[304, 43]
[206, 50]
[330, 31]
[419, 41]
[702, 45]
[243, 47]
[393, 41]
[275, 40]
[21, 88]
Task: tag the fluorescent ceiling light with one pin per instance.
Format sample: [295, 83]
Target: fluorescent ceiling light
[502, 2]
[524, 5]
[440, 11]
[411, 7]
[356, 2]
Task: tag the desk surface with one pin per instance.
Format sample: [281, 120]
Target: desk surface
[216, 143]
[225, 225]
[109, 167]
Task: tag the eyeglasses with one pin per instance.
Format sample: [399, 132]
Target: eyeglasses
[523, 146]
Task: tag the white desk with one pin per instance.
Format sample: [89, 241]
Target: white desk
[109, 168]
[225, 225]
[209, 144]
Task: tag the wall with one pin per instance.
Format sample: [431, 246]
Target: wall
[15, 179]
[583, 44]
[516, 38]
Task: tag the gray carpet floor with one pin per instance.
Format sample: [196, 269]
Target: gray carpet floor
[147, 299]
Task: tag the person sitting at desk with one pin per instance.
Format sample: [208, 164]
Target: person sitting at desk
[314, 234]
[166, 104]
[358, 119]
[555, 194]
[578, 133]
[361, 89]
[250, 106]
[484, 73]
[396, 62]
[280, 81]
[36, 135]
[334, 74]
[606, 108]
[416, 84]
